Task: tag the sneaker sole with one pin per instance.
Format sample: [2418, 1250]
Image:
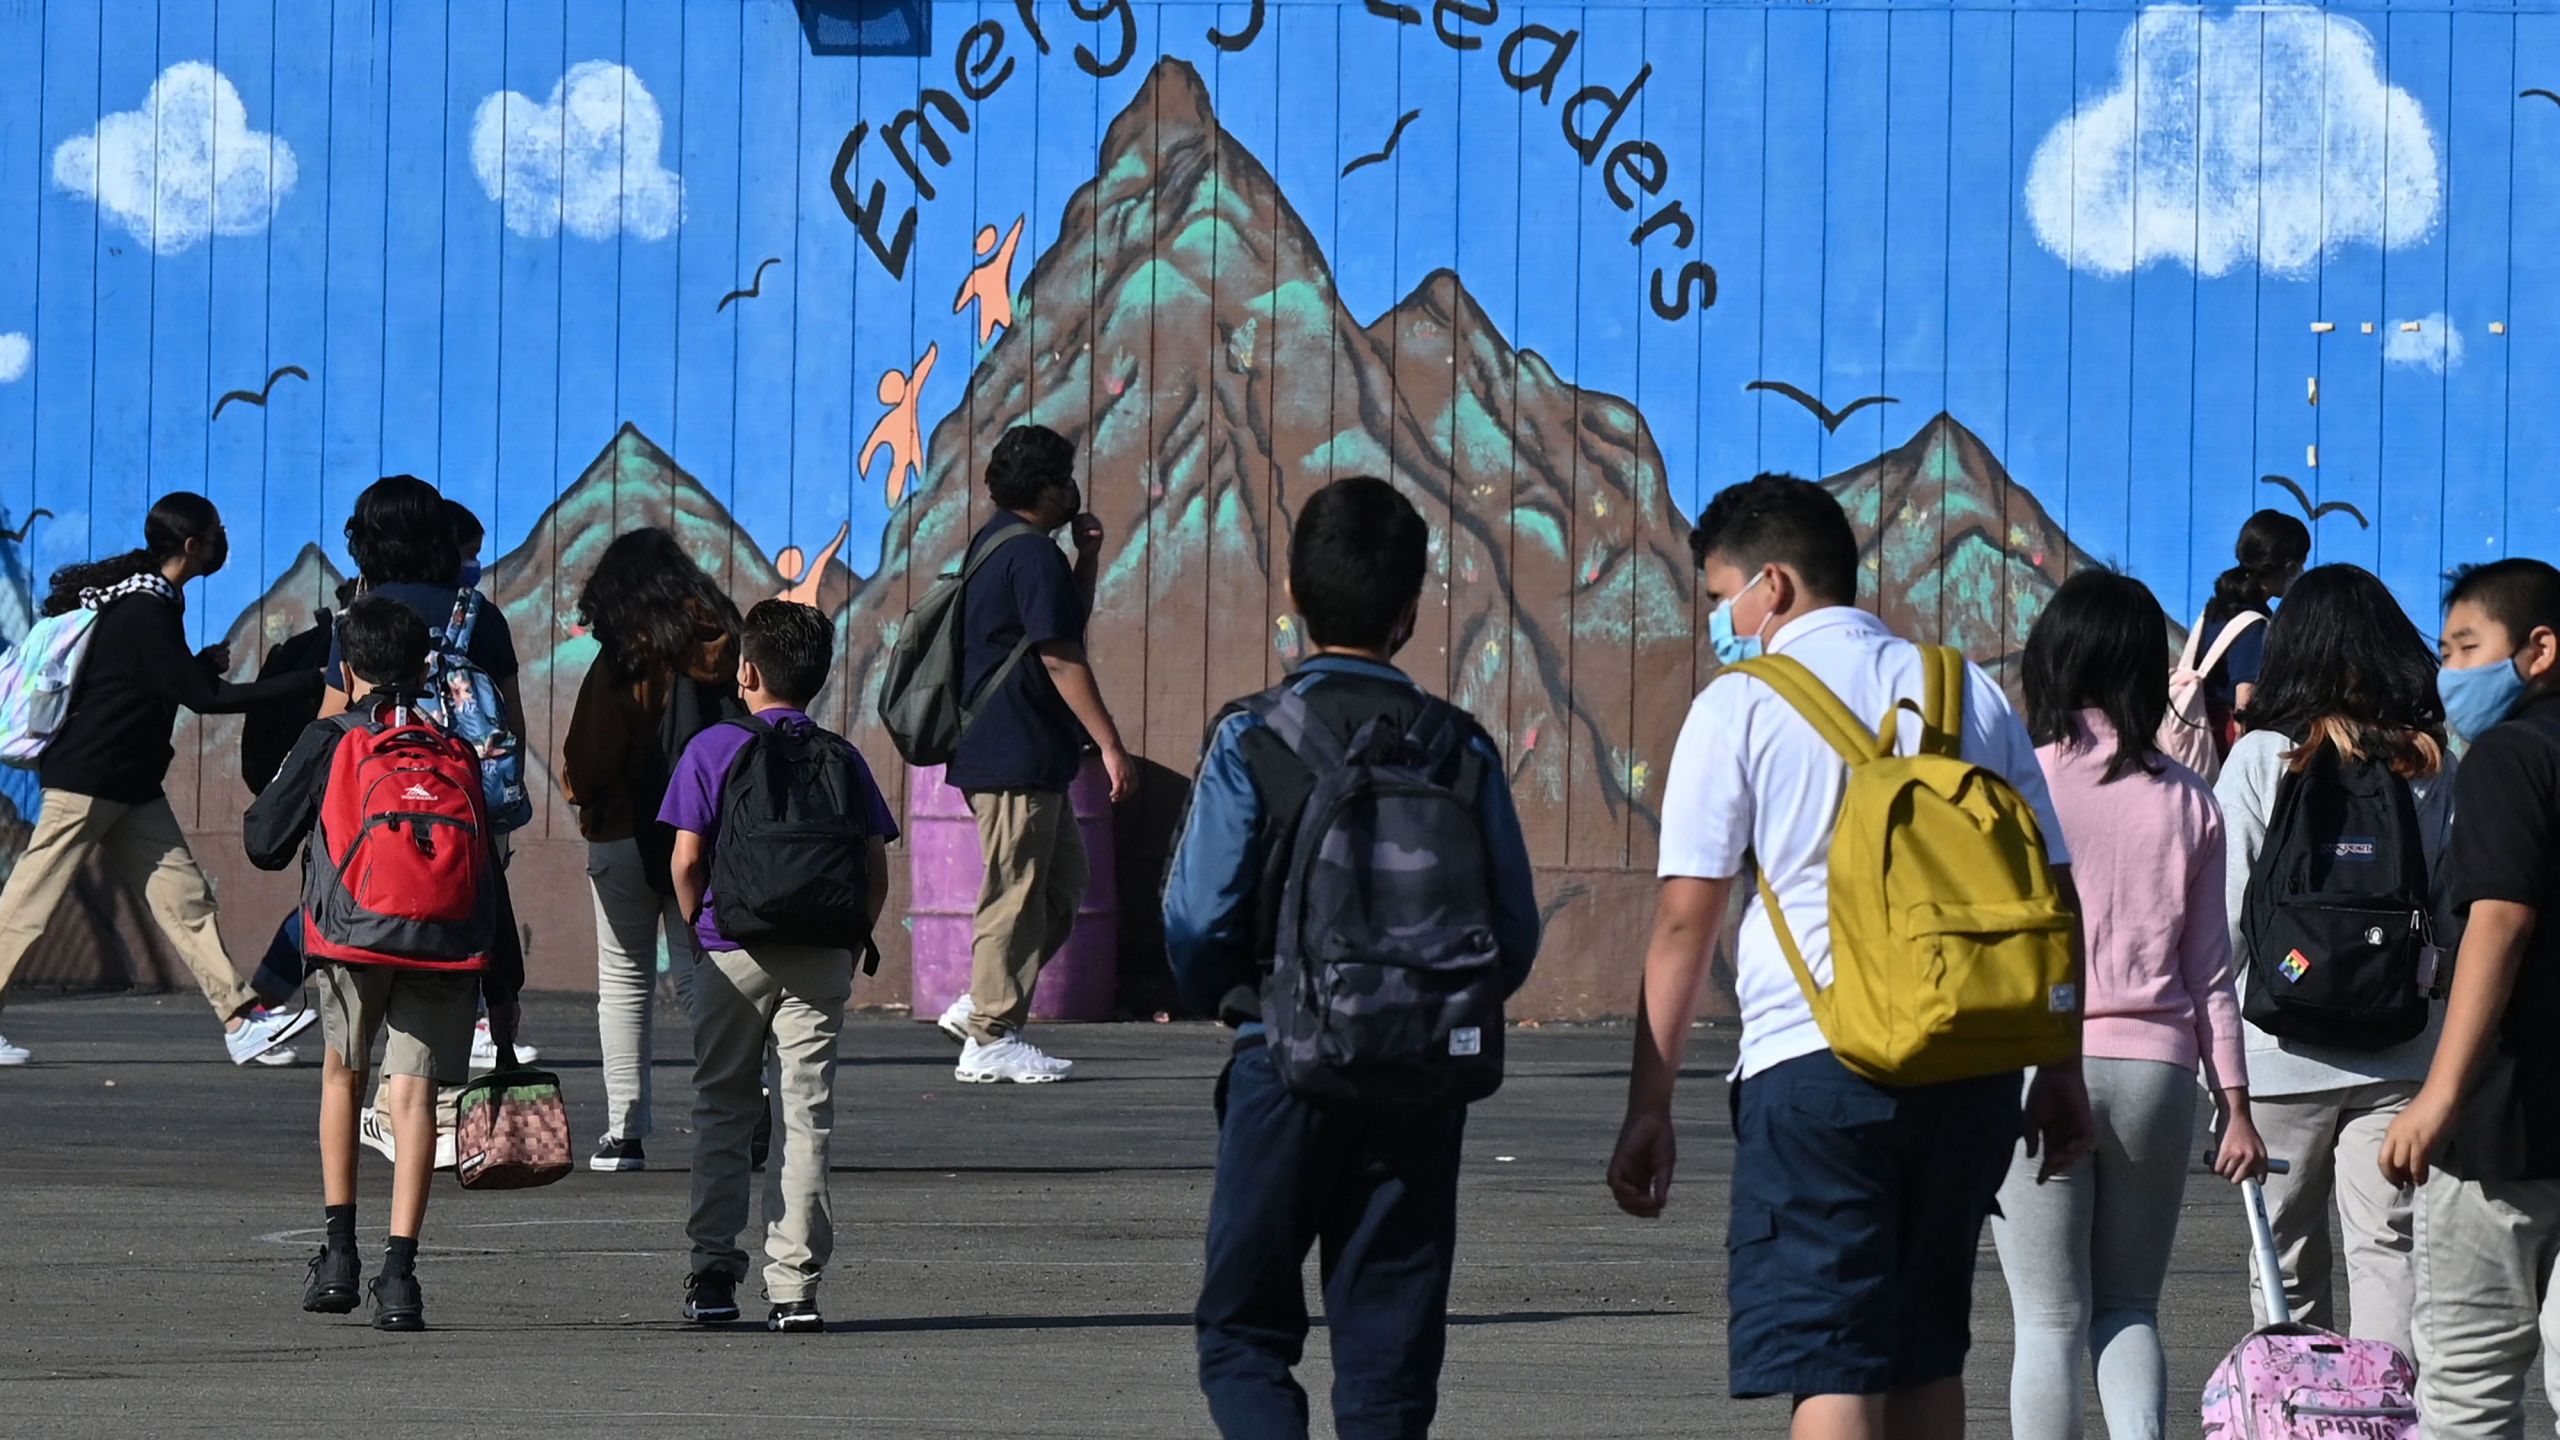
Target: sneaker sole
[401, 1321]
[701, 1316]
[991, 1077]
[302, 1020]
[798, 1325]
[7, 1060]
[616, 1167]
[333, 1302]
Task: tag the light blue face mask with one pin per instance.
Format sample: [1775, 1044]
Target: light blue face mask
[2475, 700]
[1732, 649]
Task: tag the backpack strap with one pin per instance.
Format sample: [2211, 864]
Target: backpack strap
[1295, 724]
[2232, 630]
[1944, 707]
[1813, 700]
[466, 619]
[1022, 647]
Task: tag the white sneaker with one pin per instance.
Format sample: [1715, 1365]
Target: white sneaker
[484, 1049]
[279, 1057]
[264, 1030]
[955, 1021]
[13, 1054]
[1011, 1058]
[373, 1131]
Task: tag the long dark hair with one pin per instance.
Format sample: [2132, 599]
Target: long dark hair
[2101, 644]
[175, 519]
[398, 534]
[646, 602]
[2345, 667]
[2272, 548]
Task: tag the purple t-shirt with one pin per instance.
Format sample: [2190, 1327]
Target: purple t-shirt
[693, 796]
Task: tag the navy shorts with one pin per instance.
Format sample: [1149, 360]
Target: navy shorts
[1857, 1219]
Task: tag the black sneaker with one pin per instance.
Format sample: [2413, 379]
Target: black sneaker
[617, 1154]
[795, 1317]
[335, 1275]
[711, 1297]
[398, 1303]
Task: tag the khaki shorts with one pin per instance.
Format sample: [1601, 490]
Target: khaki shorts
[427, 1015]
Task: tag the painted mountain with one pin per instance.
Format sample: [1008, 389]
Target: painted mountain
[1184, 330]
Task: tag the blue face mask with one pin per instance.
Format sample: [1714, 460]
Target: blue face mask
[2478, 698]
[1732, 649]
[470, 577]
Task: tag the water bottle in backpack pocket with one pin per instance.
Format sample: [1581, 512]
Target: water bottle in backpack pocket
[2337, 919]
[467, 702]
[1387, 983]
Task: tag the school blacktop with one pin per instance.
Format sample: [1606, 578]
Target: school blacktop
[1009, 1262]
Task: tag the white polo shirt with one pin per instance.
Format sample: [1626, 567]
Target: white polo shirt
[1751, 779]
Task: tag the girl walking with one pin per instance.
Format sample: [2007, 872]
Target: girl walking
[666, 668]
[2345, 670]
[2146, 843]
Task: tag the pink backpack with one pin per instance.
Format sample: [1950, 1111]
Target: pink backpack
[2187, 732]
[2290, 1380]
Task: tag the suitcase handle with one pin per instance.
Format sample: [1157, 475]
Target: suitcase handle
[2262, 1234]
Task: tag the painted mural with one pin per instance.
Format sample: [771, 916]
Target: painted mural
[2032, 288]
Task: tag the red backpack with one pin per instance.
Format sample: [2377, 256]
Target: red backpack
[398, 871]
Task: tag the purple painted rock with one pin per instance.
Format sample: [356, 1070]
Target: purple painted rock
[942, 847]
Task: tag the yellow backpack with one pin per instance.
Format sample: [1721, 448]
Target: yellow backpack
[1951, 949]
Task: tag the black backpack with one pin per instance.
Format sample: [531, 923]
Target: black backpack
[792, 862]
[1386, 986]
[2338, 912]
[270, 727]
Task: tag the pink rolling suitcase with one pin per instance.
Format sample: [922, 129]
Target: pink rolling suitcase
[2287, 1380]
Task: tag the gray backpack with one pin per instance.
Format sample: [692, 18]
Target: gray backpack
[921, 704]
[1386, 986]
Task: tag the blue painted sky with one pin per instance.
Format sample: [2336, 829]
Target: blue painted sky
[1860, 178]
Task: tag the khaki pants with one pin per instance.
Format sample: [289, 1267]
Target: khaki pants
[145, 849]
[795, 996]
[2333, 1140]
[2485, 1303]
[1027, 907]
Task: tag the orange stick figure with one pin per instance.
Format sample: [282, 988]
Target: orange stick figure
[806, 578]
[991, 284]
[900, 430]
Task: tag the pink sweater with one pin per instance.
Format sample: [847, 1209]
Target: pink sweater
[2147, 856]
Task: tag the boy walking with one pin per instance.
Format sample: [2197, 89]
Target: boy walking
[1857, 1206]
[781, 858]
[2483, 1134]
[1424, 875]
[399, 914]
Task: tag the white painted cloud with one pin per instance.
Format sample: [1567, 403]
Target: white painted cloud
[586, 158]
[184, 166]
[2267, 133]
[2435, 345]
[15, 351]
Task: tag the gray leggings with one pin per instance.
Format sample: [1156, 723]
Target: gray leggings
[2066, 1289]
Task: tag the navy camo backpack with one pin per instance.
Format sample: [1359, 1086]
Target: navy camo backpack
[1386, 985]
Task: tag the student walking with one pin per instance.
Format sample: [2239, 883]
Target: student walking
[2267, 558]
[1361, 1156]
[1857, 1206]
[781, 855]
[2349, 690]
[385, 808]
[2086, 1253]
[2483, 1134]
[104, 770]
[666, 668]
[1035, 704]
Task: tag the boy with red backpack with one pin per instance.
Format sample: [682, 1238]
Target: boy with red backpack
[399, 914]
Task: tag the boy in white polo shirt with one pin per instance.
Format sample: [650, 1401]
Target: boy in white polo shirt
[1857, 1207]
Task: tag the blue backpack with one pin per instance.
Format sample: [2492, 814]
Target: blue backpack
[465, 701]
[1386, 986]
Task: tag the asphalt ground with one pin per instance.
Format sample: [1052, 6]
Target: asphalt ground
[1009, 1261]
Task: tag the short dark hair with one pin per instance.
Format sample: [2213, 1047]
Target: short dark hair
[383, 642]
[2100, 645]
[398, 534]
[467, 530]
[791, 646]
[1782, 520]
[1028, 461]
[2520, 594]
[1357, 557]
